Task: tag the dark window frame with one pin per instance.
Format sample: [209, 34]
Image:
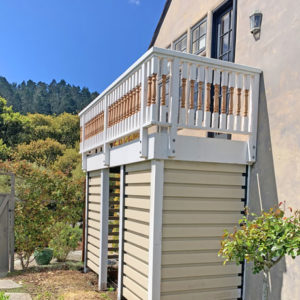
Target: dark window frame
[180, 39]
[220, 10]
[198, 24]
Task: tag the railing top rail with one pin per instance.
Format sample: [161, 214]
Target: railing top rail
[166, 53]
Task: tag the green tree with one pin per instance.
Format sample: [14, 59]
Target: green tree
[263, 240]
[45, 198]
[41, 152]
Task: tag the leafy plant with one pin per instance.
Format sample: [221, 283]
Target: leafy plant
[263, 240]
[65, 239]
[3, 296]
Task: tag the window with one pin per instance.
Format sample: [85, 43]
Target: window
[198, 37]
[181, 44]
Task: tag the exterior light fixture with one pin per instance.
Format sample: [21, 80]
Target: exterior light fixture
[255, 22]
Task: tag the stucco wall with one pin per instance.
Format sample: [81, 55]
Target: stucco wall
[278, 153]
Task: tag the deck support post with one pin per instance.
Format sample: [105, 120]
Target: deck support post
[103, 257]
[121, 233]
[86, 221]
[155, 228]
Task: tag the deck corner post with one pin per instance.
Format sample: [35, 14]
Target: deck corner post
[155, 229]
[121, 233]
[104, 210]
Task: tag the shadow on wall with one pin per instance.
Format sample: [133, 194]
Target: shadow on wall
[263, 195]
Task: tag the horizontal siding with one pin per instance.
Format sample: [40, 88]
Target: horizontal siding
[136, 231]
[200, 201]
[93, 229]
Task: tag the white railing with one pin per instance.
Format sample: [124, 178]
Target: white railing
[174, 90]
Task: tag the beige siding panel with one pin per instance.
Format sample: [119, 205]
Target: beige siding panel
[133, 286]
[187, 257]
[137, 190]
[199, 204]
[94, 224]
[93, 232]
[94, 189]
[93, 215]
[94, 258]
[142, 166]
[136, 239]
[92, 266]
[200, 218]
[189, 165]
[95, 198]
[195, 283]
[190, 244]
[94, 241]
[138, 215]
[194, 177]
[137, 227]
[129, 295]
[137, 203]
[95, 207]
[138, 177]
[95, 181]
[136, 251]
[199, 270]
[94, 174]
[93, 249]
[193, 190]
[136, 276]
[177, 231]
[136, 263]
[211, 295]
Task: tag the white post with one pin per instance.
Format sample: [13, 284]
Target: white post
[253, 112]
[199, 112]
[215, 115]
[155, 229]
[224, 84]
[121, 233]
[105, 133]
[154, 72]
[103, 256]
[230, 117]
[174, 102]
[208, 81]
[143, 114]
[86, 221]
[245, 119]
[163, 108]
[191, 110]
[237, 117]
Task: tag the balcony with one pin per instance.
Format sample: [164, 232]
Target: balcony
[173, 105]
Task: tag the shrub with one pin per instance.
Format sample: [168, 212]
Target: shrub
[65, 239]
[3, 296]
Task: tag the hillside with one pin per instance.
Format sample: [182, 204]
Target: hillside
[48, 99]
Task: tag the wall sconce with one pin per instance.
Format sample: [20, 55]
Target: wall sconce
[255, 24]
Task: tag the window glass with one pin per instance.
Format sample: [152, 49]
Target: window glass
[198, 37]
[181, 44]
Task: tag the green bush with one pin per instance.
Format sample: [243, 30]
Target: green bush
[65, 239]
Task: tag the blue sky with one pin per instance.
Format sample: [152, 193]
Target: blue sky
[85, 42]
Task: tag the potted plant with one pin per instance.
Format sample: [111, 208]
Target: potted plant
[43, 256]
[263, 240]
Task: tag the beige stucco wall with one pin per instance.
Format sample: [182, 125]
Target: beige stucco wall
[278, 153]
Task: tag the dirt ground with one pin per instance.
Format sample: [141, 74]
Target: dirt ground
[62, 285]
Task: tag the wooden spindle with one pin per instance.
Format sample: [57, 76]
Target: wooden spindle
[109, 116]
[216, 98]
[192, 93]
[163, 89]
[208, 87]
[231, 92]
[199, 98]
[183, 87]
[238, 107]
[153, 94]
[122, 107]
[127, 105]
[133, 105]
[246, 103]
[223, 108]
[149, 90]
